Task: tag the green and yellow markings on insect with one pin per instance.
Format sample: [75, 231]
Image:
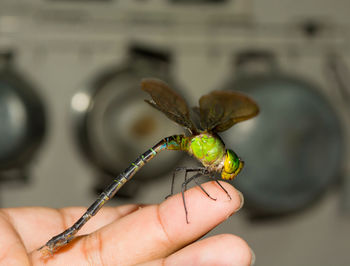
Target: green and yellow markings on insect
[207, 148]
[217, 112]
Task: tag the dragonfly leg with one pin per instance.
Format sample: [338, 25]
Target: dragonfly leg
[194, 178]
[185, 178]
[222, 187]
[184, 184]
[173, 180]
[197, 169]
[200, 170]
[198, 184]
[184, 201]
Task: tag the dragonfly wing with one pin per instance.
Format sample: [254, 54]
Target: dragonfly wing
[168, 102]
[196, 118]
[220, 110]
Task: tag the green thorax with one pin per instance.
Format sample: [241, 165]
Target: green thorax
[207, 148]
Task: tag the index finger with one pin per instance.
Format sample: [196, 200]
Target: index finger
[152, 232]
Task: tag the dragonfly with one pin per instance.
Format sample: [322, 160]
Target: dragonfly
[217, 112]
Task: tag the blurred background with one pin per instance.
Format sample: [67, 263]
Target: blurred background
[72, 114]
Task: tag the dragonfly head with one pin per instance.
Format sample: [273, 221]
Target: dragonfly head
[232, 165]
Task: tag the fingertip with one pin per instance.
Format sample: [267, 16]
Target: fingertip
[223, 249]
[203, 212]
[241, 200]
[238, 250]
[228, 193]
[234, 250]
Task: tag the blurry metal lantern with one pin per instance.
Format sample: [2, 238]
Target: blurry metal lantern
[114, 124]
[22, 121]
[293, 149]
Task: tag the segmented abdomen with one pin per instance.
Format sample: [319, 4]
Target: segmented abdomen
[175, 142]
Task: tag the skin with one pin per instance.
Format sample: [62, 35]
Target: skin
[130, 234]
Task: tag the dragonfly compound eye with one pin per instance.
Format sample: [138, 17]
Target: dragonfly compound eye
[232, 165]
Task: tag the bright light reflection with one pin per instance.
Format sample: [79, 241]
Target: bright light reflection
[80, 101]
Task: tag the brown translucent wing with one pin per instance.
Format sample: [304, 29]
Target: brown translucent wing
[196, 118]
[220, 110]
[168, 102]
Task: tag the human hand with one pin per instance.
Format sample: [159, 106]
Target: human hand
[130, 234]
